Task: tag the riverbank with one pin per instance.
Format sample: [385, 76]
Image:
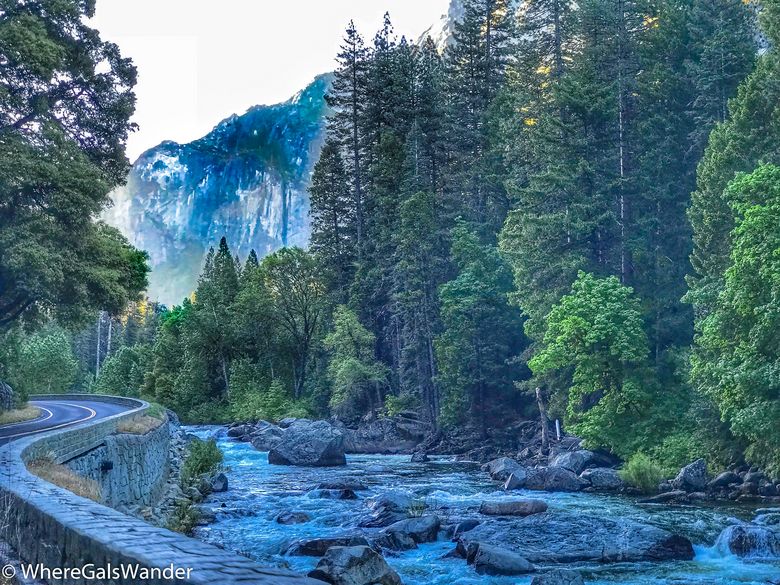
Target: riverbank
[245, 519]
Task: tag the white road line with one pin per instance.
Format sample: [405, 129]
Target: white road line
[92, 414]
[40, 419]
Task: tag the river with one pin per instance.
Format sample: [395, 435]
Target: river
[258, 491]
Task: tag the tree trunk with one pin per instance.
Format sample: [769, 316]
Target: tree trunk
[543, 418]
[97, 349]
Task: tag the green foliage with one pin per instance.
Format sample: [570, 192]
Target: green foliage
[122, 374]
[597, 331]
[202, 458]
[44, 363]
[643, 473]
[737, 359]
[59, 158]
[481, 332]
[356, 378]
[397, 404]
[185, 518]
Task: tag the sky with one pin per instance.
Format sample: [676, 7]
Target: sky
[200, 61]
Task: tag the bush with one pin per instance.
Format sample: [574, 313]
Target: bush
[643, 473]
[203, 457]
[184, 518]
[396, 404]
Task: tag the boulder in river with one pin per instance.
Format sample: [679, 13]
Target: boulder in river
[238, 431]
[516, 480]
[554, 479]
[401, 433]
[574, 461]
[558, 577]
[354, 565]
[692, 478]
[219, 483]
[292, 518]
[312, 444]
[341, 494]
[386, 509]
[500, 469]
[316, 547]
[407, 534]
[420, 457]
[267, 437]
[513, 507]
[562, 537]
[602, 479]
[493, 560]
[724, 480]
[750, 541]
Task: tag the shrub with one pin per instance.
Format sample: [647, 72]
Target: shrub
[396, 404]
[203, 457]
[642, 473]
[184, 518]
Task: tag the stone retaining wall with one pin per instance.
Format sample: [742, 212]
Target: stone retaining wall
[49, 525]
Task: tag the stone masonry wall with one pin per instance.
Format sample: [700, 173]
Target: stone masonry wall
[130, 469]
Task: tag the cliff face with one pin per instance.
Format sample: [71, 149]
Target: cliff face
[247, 180]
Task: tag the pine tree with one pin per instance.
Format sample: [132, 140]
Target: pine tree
[333, 218]
[476, 63]
[347, 98]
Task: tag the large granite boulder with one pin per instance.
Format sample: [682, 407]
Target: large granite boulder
[7, 399]
[692, 478]
[266, 437]
[407, 534]
[602, 479]
[574, 461]
[354, 565]
[513, 507]
[725, 479]
[558, 577]
[386, 509]
[494, 560]
[311, 444]
[516, 480]
[569, 538]
[750, 541]
[316, 547]
[554, 479]
[500, 469]
[401, 433]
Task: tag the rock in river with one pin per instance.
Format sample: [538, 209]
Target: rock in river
[313, 444]
[750, 541]
[602, 478]
[575, 461]
[692, 478]
[316, 547]
[386, 509]
[494, 560]
[557, 537]
[554, 479]
[500, 469]
[354, 565]
[292, 518]
[513, 507]
[407, 534]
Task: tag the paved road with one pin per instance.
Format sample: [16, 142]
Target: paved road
[59, 414]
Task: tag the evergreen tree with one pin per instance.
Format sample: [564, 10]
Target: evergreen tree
[346, 98]
[332, 218]
[481, 334]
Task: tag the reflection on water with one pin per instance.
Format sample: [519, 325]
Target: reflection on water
[259, 491]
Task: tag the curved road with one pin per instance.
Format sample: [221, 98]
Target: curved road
[59, 414]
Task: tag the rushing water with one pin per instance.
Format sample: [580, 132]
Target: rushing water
[259, 491]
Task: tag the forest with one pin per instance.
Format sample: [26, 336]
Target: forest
[573, 207]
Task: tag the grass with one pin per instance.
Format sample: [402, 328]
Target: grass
[27, 412]
[138, 425]
[66, 478]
